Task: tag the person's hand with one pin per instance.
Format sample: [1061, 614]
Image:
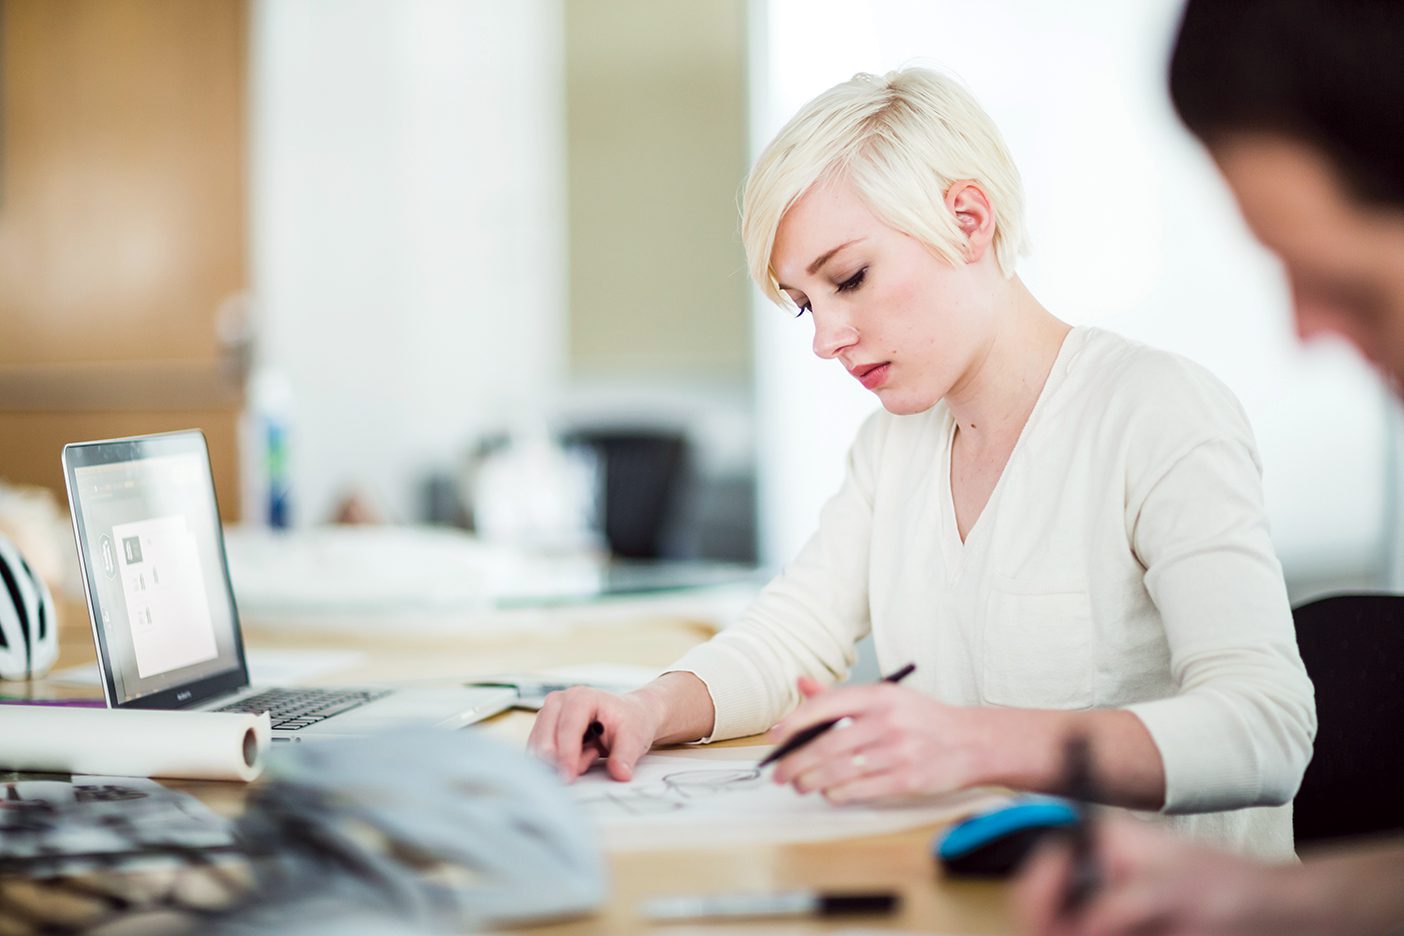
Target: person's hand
[894, 742]
[630, 723]
[1156, 884]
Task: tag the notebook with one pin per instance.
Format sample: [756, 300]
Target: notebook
[156, 578]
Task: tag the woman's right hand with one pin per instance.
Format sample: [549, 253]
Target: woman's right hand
[631, 722]
[674, 707]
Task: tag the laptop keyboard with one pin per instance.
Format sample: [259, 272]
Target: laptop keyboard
[292, 709]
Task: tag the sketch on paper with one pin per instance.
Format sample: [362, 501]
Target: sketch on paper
[673, 792]
[675, 801]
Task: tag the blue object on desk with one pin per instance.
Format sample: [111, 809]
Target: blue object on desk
[993, 843]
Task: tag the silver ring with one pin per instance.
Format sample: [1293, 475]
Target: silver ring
[860, 761]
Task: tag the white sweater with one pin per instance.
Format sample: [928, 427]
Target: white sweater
[1122, 561]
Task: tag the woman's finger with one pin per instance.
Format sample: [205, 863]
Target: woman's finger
[542, 740]
[578, 709]
[826, 759]
[625, 749]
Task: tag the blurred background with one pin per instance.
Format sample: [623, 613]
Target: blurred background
[475, 264]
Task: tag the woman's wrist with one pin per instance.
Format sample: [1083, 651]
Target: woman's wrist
[680, 706]
[1027, 749]
[1022, 749]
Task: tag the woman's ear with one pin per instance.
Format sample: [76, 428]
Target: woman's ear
[974, 216]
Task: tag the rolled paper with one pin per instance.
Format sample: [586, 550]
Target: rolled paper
[134, 742]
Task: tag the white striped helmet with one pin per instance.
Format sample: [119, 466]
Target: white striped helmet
[28, 631]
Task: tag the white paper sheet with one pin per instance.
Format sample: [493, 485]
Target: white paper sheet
[133, 743]
[691, 802]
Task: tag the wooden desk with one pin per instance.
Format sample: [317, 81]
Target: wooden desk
[899, 861]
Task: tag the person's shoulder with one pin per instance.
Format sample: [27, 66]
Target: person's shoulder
[1135, 367]
[1145, 385]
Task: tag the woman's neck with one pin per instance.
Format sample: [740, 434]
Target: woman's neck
[992, 402]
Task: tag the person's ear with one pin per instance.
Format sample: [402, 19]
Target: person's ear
[974, 216]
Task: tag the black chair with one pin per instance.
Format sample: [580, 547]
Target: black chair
[1353, 648]
[644, 472]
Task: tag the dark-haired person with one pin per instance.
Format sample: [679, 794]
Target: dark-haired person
[1298, 101]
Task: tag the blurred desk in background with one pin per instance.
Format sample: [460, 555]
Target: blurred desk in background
[435, 579]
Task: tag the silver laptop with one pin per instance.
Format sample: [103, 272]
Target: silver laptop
[163, 614]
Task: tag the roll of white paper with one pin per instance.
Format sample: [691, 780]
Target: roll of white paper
[133, 743]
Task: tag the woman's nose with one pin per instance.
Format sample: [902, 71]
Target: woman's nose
[832, 335]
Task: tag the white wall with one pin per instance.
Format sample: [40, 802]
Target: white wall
[407, 219]
[1131, 229]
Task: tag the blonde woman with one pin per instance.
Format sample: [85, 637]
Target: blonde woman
[1062, 529]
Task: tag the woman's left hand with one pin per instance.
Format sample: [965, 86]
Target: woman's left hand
[895, 742]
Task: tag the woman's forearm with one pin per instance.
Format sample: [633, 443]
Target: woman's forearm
[1029, 751]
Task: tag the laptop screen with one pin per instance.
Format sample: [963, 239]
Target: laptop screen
[153, 558]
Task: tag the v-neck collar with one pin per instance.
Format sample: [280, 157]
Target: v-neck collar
[954, 547]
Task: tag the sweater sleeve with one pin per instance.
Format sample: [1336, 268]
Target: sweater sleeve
[1239, 731]
[807, 619]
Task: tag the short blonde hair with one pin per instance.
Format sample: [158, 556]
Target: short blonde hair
[901, 140]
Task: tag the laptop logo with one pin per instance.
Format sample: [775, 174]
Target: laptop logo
[182, 696]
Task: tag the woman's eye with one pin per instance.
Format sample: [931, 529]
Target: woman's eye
[854, 281]
[800, 308]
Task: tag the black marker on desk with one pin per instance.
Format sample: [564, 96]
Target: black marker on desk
[781, 903]
[802, 738]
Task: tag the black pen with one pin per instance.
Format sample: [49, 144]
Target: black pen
[802, 738]
[593, 734]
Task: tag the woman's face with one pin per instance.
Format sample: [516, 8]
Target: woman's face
[907, 325]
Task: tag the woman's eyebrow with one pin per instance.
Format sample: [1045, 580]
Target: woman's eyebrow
[828, 255]
[822, 259]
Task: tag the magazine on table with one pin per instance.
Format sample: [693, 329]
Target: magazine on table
[58, 824]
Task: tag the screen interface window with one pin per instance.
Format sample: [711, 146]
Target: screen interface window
[159, 586]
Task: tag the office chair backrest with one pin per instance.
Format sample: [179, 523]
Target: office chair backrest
[643, 473]
[1353, 648]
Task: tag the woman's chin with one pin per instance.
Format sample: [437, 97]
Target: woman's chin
[900, 405]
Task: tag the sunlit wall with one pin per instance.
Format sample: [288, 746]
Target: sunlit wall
[407, 231]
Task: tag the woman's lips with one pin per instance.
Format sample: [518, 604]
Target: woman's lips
[872, 376]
